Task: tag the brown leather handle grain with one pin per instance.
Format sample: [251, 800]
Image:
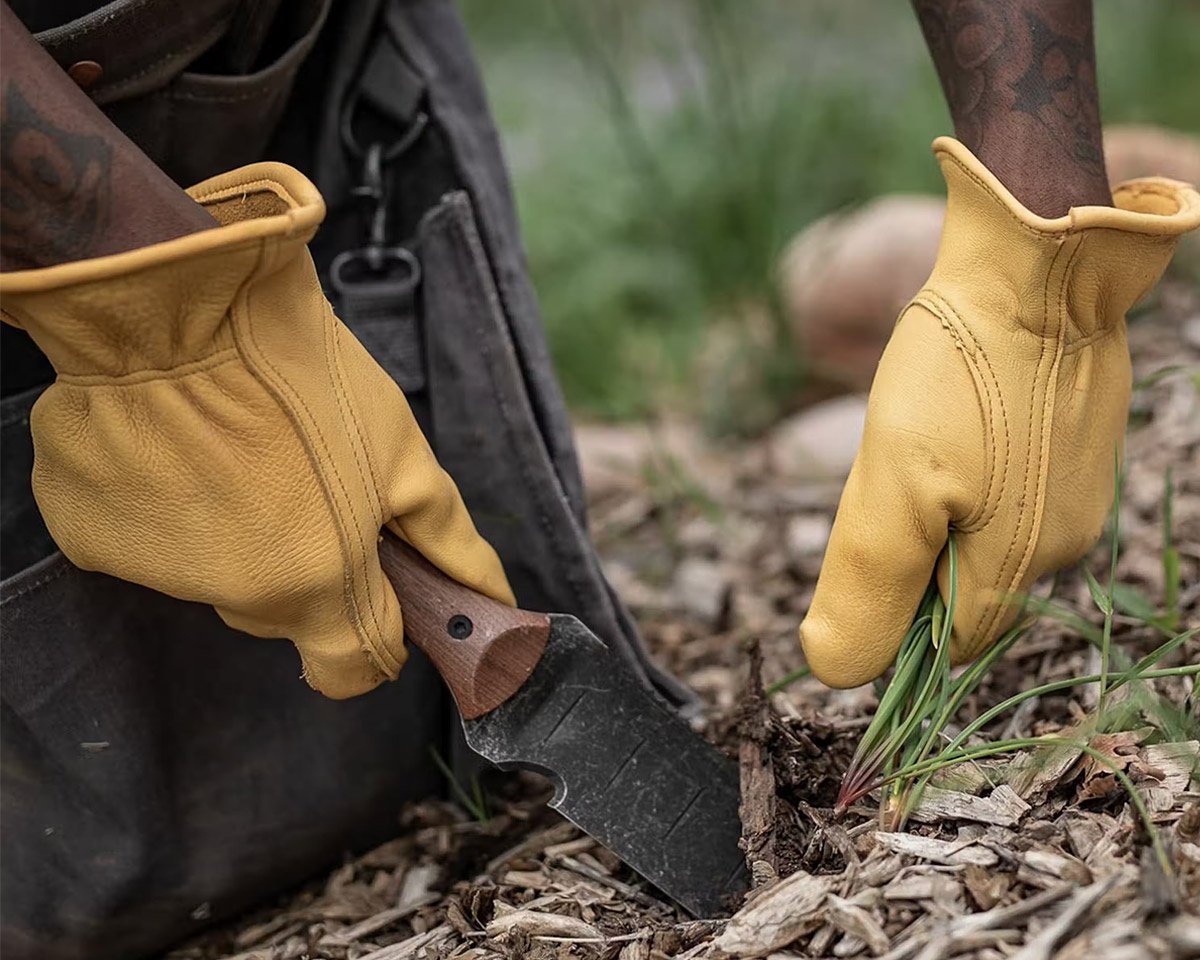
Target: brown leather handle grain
[484, 650]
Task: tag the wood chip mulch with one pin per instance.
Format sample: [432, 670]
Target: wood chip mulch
[717, 551]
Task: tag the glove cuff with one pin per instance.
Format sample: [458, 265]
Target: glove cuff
[1073, 276]
[162, 307]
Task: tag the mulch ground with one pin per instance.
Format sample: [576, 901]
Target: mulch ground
[717, 551]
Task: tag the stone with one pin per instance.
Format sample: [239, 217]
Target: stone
[807, 535]
[1191, 331]
[1144, 150]
[701, 589]
[845, 278]
[820, 443]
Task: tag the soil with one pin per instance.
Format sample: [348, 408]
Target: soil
[1040, 861]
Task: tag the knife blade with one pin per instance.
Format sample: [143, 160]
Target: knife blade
[542, 692]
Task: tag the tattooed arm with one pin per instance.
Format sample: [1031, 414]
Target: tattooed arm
[1020, 79]
[72, 186]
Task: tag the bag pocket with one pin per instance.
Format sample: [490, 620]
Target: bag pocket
[153, 759]
[215, 122]
[486, 436]
[24, 539]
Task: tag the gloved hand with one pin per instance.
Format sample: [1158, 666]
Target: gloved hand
[217, 434]
[998, 410]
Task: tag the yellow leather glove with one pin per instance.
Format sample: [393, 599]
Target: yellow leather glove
[217, 434]
[997, 411]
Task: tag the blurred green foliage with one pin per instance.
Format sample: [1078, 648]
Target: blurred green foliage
[663, 153]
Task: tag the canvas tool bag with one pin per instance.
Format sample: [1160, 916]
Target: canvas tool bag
[159, 770]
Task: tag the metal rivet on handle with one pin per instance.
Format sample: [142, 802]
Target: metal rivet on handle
[460, 627]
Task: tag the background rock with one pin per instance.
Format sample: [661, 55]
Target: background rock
[844, 280]
[1142, 150]
[820, 442]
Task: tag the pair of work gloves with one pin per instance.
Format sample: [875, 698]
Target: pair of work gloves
[217, 434]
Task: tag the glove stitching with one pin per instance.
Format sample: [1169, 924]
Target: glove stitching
[985, 628]
[279, 388]
[366, 476]
[252, 186]
[978, 362]
[1047, 419]
[139, 377]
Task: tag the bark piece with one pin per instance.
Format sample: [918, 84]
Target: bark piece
[856, 922]
[1002, 806]
[955, 852]
[535, 923]
[757, 809]
[790, 909]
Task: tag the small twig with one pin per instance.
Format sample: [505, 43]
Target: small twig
[622, 938]
[406, 948]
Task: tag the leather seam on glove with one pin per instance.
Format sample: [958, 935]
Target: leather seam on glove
[367, 478]
[1034, 469]
[253, 186]
[1002, 574]
[279, 388]
[155, 375]
[977, 363]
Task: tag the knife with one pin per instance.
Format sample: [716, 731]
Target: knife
[542, 692]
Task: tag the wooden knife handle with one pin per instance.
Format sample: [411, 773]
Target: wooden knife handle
[483, 649]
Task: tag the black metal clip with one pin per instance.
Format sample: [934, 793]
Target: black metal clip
[391, 267]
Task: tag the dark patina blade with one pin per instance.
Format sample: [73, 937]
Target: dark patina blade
[627, 769]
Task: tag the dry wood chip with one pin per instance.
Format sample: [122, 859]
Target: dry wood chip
[635, 950]
[821, 942]
[534, 923]
[612, 883]
[527, 879]
[790, 909]
[1042, 946]
[1057, 865]
[412, 946]
[1002, 806]
[569, 849]
[1085, 832]
[856, 922]
[1036, 774]
[943, 942]
[377, 922]
[924, 886]
[1176, 765]
[535, 843]
[939, 851]
[985, 887]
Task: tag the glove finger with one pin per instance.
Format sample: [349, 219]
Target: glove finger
[418, 500]
[885, 541]
[436, 523]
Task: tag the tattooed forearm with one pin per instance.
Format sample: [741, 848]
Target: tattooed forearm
[54, 185]
[71, 184]
[1020, 80]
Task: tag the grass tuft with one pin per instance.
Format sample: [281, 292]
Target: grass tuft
[907, 742]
